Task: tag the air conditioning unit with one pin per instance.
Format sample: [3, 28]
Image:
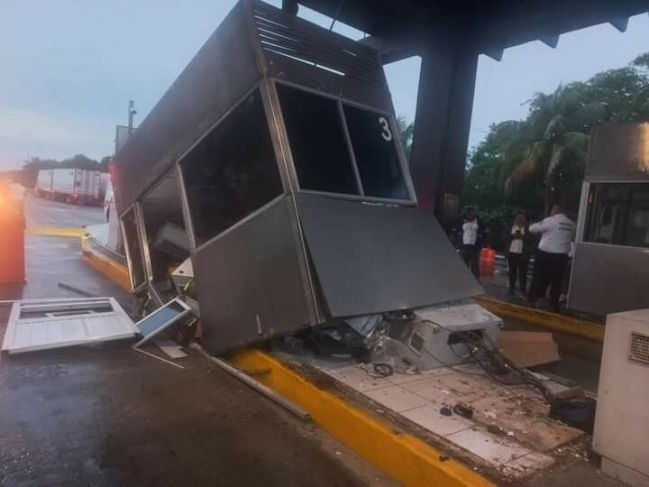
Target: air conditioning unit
[622, 419]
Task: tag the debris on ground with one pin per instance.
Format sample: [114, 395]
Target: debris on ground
[464, 410]
[43, 324]
[446, 411]
[528, 348]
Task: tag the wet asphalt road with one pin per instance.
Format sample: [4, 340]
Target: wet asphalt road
[39, 211]
[109, 416]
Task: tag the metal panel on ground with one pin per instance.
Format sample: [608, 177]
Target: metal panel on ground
[250, 282]
[163, 317]
[46, 324]
[374, 258]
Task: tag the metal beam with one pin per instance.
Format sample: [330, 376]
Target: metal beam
[494, 53]
[290, 7]
[620, 23]
[391, 49]
[550, 40]
[442, 122]
[498, 24]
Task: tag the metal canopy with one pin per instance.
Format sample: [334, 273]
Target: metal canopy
[493, 25]
[375, 258]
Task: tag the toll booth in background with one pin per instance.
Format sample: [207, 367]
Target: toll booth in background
[610, 270]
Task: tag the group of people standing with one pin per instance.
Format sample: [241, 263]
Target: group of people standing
[556, 233]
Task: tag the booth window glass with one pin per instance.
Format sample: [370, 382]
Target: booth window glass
[165, 227]
[133, 248]
[232, 172]
[338, 148]
[376, 153]
[618, 214]
[317, 139]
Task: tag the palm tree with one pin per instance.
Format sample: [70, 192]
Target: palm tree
[406, 131]
[551, 145]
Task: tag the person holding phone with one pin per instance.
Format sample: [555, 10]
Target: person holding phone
[473, 234]
[518, 254]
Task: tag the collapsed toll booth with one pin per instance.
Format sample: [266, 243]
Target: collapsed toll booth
[274, 162]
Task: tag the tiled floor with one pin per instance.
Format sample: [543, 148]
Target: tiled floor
[396, 398]
[429, 417]
[524, 435]
[492, 448]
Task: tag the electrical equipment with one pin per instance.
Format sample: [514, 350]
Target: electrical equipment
[622, 418]
[172, 240]
[183, 273]
[437, 336]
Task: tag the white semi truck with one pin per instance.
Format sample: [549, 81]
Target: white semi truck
[74, 186]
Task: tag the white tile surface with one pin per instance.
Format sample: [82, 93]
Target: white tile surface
[430, 418]
[359, 379]
[432, 390]
[396, 398]
[398, 379]
[461, 383]
[492, 448]
[419, 397]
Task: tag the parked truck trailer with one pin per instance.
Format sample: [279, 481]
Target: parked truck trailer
[74, 186]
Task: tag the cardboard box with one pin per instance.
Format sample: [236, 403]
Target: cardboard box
[528, 348]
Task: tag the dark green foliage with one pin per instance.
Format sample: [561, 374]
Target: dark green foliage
[530, 164]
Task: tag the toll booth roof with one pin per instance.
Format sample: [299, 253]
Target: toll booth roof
[493, 25]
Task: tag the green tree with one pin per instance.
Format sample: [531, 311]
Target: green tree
[103, 164]
[79, 161]
[555, 134]
[529, 164]
[406, 131]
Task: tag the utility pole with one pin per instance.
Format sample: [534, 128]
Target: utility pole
[131, 113]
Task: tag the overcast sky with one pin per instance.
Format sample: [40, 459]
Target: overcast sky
[69, 68]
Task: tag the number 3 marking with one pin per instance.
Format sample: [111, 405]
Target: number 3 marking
[385, 133]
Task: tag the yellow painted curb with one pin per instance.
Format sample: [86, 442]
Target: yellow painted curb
[106, 266]
[406, 458]
[51, 231]
[545, 319]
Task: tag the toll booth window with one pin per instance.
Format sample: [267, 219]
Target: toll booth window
[232, 172]
[376, 155]
[636, 231]
[133, 248]
[165, 228]
[618, 214]
[317, 138]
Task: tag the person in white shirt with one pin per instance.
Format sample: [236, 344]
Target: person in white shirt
[518, 253]
[557, 234]
[471, 240]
